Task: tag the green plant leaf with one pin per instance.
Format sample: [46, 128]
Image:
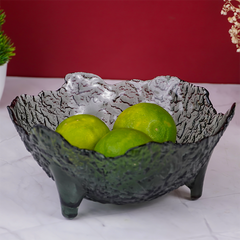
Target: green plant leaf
[6, 46]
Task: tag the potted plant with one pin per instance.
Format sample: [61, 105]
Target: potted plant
[6, 52]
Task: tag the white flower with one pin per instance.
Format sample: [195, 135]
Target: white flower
[235, 29]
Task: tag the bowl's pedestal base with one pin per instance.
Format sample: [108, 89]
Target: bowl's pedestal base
[71, 192]
[196, 186]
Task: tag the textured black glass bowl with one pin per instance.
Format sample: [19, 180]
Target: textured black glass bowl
[143, 173]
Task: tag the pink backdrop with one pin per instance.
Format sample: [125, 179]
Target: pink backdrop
[122, 39]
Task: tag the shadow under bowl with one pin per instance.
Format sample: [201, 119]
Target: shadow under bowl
[143, 173]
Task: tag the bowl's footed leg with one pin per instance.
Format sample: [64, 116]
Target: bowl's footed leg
[70, 192]
[196, 186]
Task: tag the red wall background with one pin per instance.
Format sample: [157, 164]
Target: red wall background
[122, 39]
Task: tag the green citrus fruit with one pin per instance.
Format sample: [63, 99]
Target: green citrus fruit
[149, 118]
[82, 130]
[118, 141]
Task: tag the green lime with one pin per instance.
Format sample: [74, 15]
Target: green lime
[149, 118]
[83, 130]
[118, 141]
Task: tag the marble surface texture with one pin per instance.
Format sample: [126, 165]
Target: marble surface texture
[30, 208]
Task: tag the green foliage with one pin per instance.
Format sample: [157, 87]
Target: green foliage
[6, 47]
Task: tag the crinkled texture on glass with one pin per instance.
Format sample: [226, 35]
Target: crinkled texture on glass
[144, 172]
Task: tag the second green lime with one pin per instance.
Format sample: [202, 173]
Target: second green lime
[118, 141]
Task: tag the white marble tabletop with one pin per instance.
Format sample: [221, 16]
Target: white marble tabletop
[30, 208]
